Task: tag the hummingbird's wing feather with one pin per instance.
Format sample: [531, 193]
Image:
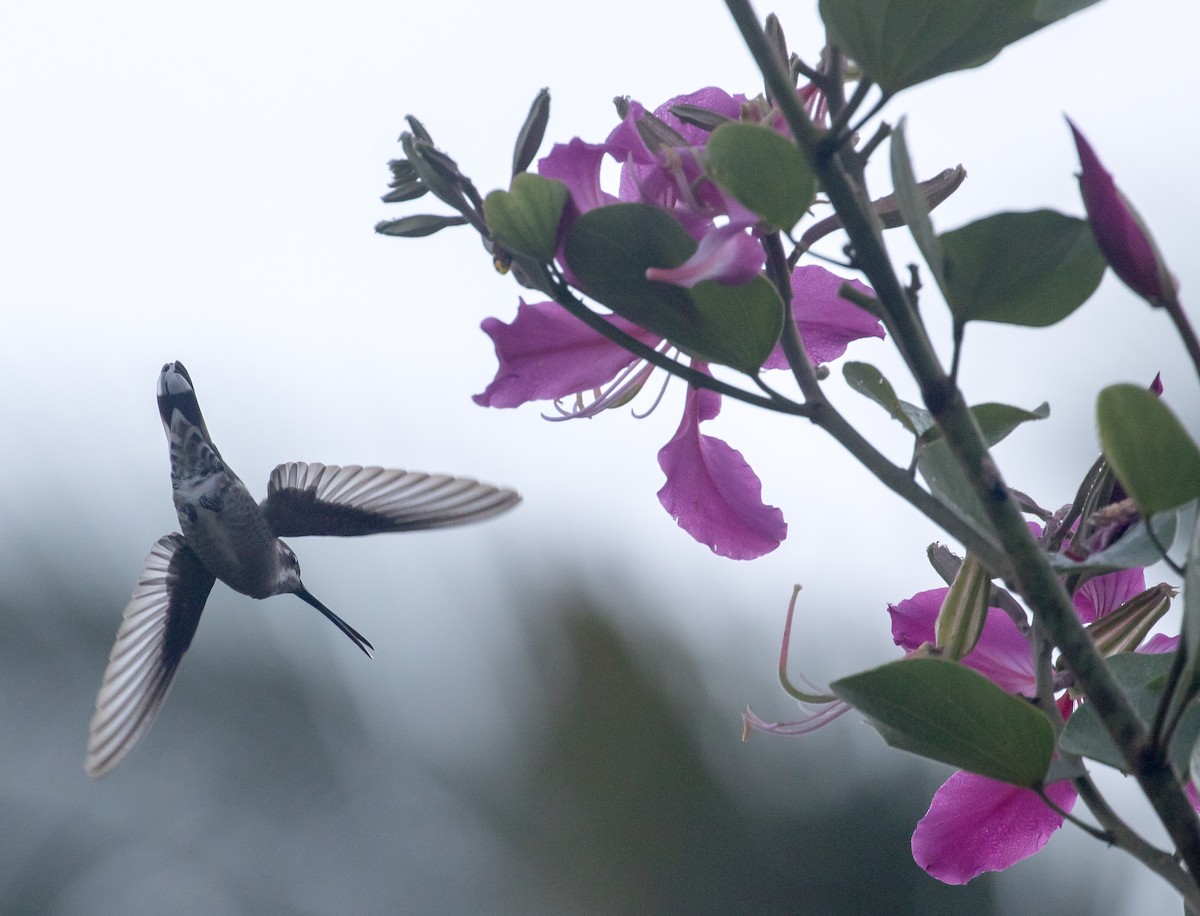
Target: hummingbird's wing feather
[156, 629]
[322, 499]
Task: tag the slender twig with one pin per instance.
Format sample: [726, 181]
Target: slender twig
[826, 416]
[1160, 729]
[1186, 333]
[1161, 863]
[1031, 575]
[563, 296]
[837, 126]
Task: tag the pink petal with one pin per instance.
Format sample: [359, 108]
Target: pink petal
[727, 254]
[1159, 644]
[547, 353]
[1104, 594]
[710, 490]
[577, 165]
[1002, 654]
[976, 824]
[827, 322]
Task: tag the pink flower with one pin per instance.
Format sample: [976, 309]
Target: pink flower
[975, 824]
[547, 354]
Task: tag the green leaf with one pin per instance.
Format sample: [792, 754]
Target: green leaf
[996, 421]
[764, 171]
[1030, 269]
[525, 219]
[870, 383]
[913, 208]
[1151, 454]
[1144, 678]
[900, 43]
[945, 711]
[949, 483]
[609, 249]
[417, 226]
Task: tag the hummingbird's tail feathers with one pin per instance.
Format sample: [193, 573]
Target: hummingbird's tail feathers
[319, 499]
[175, 392]
[156, 629]
[356, 637]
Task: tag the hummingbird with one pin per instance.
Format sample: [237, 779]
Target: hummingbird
[225, 534]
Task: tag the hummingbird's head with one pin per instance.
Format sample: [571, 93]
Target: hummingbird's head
[289, 582]
[289, 570]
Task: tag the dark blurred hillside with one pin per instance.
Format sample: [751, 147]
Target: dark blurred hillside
[262, 789]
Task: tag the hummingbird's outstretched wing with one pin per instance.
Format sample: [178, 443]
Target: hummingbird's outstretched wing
[155, 631]
[322, 499]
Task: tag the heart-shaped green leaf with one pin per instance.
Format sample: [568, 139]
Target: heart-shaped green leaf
[525, 219]
[1030, 269]
[1150, 452]
[609, 250]
[764, 171]
[945, 711]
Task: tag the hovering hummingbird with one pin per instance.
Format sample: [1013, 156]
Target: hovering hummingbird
[228, 536]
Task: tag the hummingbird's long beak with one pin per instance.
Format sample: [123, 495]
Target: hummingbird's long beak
[358, 639]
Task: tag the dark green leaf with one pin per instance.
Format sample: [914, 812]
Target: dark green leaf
[609, 250]
[996, 421]
[1029, 269]
[740, 324]
[525, 219]
[945, 711]
[900, 43]
[764, 171]
[1144, 678]
[949, 484]
[417, 226]
[1151, 454]
[870, 383]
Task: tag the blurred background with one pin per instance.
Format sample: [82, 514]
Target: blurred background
[551, 724]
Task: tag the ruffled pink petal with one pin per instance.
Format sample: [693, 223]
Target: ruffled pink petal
[710, 490]
[1159, 644]
[1002, 654]
[827, 322]
[976, 824]
[577, 165]
[711, 97]
[1104, 594]
[547, 353]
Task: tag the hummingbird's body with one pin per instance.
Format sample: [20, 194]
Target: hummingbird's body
[227, 535]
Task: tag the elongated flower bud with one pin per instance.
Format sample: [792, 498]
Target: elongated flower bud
[1120, 233]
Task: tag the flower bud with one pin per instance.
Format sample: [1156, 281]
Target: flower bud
[1121, 235]
[1124, 628]
[964, 611]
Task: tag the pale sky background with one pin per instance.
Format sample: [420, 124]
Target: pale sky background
[201, 183]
